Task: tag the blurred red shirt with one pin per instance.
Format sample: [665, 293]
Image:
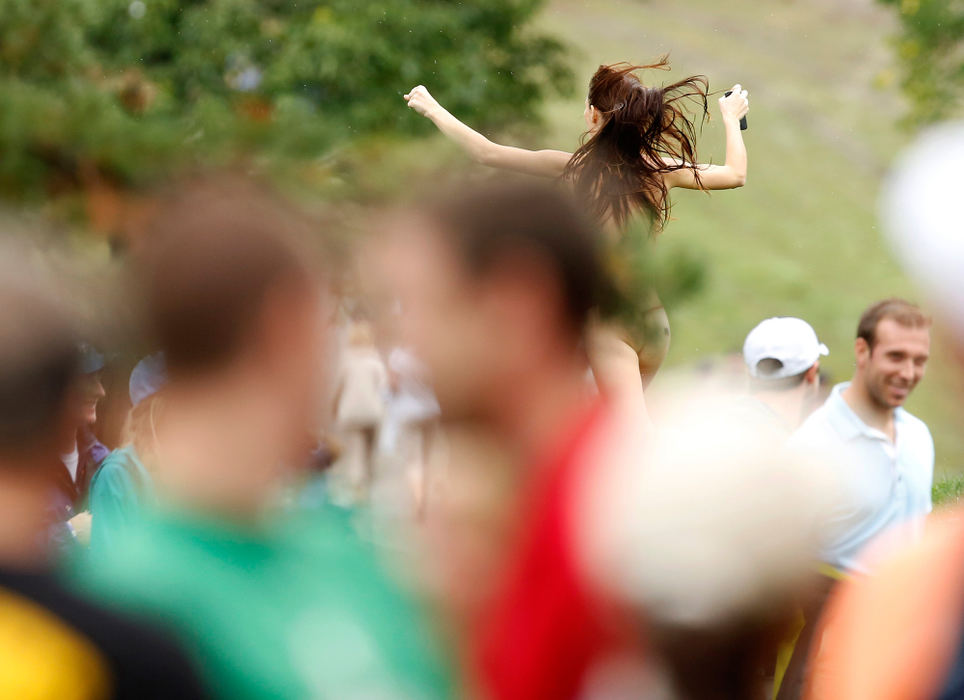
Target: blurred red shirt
[547, 624]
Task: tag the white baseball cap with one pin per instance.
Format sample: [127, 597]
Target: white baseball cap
[790, 341]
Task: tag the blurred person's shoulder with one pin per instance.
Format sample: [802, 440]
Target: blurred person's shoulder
[322, 530]
[819, 429]
[757, 418]
[201, 576]
[601, 431]
[121, 466]
[907, 651]
[95, 650]
[915, 426]
[155, 560]
[338, 563]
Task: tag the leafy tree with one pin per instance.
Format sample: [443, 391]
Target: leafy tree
[122, 91]
[931, 49]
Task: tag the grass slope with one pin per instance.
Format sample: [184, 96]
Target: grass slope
[802, 237]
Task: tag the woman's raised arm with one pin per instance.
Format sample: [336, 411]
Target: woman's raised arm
[546, 163]
[732, 173]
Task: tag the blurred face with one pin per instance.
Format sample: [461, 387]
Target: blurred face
[228, 444]
[295, 339]
[91, 392]
[444, 317]
[895, 365]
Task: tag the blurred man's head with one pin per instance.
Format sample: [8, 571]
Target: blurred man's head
[233, 300]
[892, 349]
[91, 388]
[783, 355]
[40, 373]
[495, 286]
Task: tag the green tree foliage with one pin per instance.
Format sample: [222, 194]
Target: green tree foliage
[123, 90]
[931, 50]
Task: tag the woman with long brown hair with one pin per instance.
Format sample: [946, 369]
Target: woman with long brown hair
[638, 145]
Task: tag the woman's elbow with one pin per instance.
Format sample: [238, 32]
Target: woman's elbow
[484, 153]
[486, 156]
[736, 178]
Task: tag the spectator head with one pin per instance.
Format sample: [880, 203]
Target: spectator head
[147, 378]
[495, 284]
[892, 349]
[783, 354]
[145, 387]
[91, 386]
[232, 298]
[40, 371]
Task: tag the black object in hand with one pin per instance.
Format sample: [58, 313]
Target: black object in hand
[742, 119]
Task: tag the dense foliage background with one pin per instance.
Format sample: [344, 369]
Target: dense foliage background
[123, 91]
[930, 47]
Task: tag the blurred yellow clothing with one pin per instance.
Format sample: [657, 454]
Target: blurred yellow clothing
[57, 645]
[45, 659]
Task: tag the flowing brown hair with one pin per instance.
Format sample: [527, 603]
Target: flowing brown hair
[619, 168]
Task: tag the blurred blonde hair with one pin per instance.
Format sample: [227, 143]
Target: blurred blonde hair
[140, 429]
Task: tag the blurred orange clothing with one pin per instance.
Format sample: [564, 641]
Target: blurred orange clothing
[894, 635]
[548, 626]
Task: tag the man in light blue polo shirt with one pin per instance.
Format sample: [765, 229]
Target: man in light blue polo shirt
[885, 455]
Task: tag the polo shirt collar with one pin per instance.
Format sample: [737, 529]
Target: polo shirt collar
[848, 423]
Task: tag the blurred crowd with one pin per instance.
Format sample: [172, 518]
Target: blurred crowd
[448, 482]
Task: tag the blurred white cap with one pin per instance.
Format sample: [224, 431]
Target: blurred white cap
[920, 208]
[790, 341]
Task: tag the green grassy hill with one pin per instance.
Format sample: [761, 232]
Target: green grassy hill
[802, 238]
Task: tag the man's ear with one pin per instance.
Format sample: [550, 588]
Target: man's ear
[862, 350]
[813, 374]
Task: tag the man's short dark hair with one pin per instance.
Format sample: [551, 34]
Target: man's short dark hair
[489, 224]
[905, 313]
[216, 247]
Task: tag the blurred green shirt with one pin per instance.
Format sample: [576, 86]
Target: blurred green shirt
[299, 609]
[121, 487]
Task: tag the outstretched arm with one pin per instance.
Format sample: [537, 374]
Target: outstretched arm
[733, 172]
[545, 163]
